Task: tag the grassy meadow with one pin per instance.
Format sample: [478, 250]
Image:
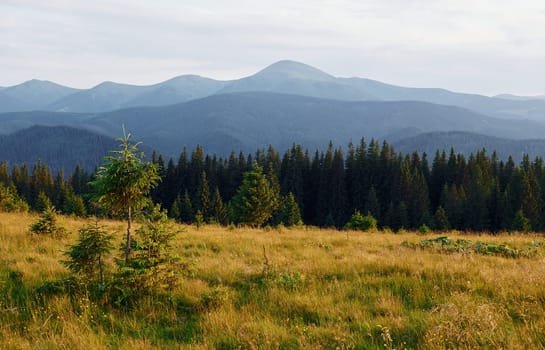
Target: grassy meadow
[303, 288]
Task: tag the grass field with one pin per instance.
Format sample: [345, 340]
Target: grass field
[302, 288]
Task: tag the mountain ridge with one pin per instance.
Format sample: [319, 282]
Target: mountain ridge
[284, 76]
[250, 120]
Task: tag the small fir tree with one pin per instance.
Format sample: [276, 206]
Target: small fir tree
[360, 222]
[154, 267]
[441, 219]
[43, 202]
[124, 182]
[186, 210]
[521, 223]
[47, 224]
[255, 200]
[86, 257]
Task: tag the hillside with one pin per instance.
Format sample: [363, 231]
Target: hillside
[247, 121]
[58, 147]
[36, 94]
[467, 143]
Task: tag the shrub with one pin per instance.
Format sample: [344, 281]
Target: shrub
[10, 200]
[47, 224]
[360, 222]
[424, 229]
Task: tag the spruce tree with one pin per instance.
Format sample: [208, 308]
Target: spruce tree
[441, 219]
[255, 200]
[219, 212]
[124, 182]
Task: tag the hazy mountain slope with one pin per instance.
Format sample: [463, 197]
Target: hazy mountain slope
[37, 94]
[8, 103]
[497, 107]
[15, 121]
[59, 147]
[520, 98]
[106, 96]
[467, 143]
[296, 78]
[110, 96]
[176, 90]
[251, 120]
[287, 77]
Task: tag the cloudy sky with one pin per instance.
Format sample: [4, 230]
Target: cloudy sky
[475, 46]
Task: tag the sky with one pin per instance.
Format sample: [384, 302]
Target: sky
[477, 46]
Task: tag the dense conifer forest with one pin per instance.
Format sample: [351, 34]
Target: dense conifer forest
[447, 191]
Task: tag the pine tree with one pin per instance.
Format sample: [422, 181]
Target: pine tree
[124, 182]
[203, 193]
[86, 257]
[402, 221]
[187, 213]
[255, 201]
[175, 209]
[219, 212]
[372, 205]
[441, 219]
[520, 222]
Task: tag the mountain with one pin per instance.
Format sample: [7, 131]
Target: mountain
[179, 89]
[59, 147]
[496, 107]
[8, 103]
[296, 78]
[247, 121]
[468, 143]
[110, 96]
[35, 94]
[287, 77]
[520, 98]
[15, 121]
[106, 96]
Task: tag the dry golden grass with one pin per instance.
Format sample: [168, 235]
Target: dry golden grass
[287, 289]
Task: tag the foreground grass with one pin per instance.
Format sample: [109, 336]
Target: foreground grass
[284, 289]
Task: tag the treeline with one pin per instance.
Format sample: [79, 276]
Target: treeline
[479, 193]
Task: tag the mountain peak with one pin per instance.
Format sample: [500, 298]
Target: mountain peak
[37, 84]
[294, 70]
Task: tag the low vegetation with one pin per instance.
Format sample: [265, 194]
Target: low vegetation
[271, 288]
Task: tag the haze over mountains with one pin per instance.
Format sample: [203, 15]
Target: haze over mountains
[287, 102]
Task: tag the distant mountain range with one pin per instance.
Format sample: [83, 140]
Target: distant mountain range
[251, 120]
[285, 103]
[286, 77]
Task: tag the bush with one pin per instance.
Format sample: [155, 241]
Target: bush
[10, 200]
[47, 224]
[360, 222]
[424, 229]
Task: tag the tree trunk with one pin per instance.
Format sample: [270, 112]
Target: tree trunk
[128, 244]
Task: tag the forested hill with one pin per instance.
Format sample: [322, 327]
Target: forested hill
[59, 147]
[251, 120]
[467, 143]
[447, 190]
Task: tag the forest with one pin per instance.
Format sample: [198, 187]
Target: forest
[320, 188]
[256, 259]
